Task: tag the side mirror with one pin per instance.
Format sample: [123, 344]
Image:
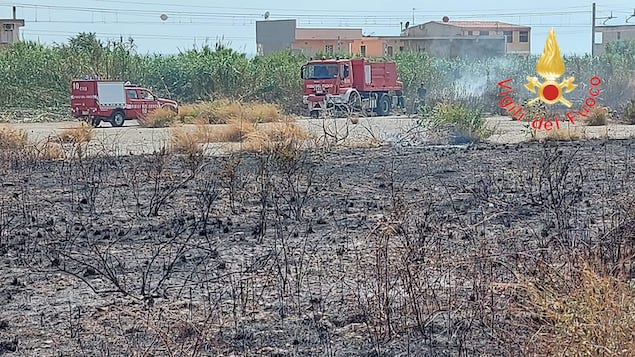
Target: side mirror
[302, 72]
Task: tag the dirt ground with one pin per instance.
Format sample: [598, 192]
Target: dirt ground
[397, 130]
[392, 251]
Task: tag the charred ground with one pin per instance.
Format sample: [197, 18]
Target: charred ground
[380, 252]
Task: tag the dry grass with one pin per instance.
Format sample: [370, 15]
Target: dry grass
[13, 138]
[281, 138]
[284, 136]
[225, 111]
[587, 313]
[83, 133]
[50, 149]
[158, 118]
[567, 134]
[598, 116]
[184, 142]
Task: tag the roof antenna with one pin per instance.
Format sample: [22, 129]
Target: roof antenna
[606, 19]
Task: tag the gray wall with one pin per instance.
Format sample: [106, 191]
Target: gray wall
[610, 34]
[274, 35]
[459, 47]
[433, 29]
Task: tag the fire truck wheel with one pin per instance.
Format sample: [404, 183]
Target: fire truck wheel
[383, 106]
[95, 122]
[117, 118]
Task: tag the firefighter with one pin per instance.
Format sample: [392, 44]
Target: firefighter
[421, 98]
[421, 93]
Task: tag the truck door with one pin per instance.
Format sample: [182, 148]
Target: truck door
[148, 103]
[135, 108]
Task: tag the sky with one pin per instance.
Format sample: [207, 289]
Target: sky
[192, 23]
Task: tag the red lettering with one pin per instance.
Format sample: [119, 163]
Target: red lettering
[503, 85]
[594, 92]
[515, 114]
[537, 123]
[557, 122]
[571, 114]
[505, 102]
[520, 118]
[595, 81]
[590, 102]
[548, 126]
[586, 111]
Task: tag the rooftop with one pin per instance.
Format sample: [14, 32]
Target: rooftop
[481, 24]
[327, 34]
[19, 22]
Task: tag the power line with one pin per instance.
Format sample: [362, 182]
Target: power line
[142, 36]
[304, 14]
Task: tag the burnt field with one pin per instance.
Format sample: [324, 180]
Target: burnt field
[356, 252]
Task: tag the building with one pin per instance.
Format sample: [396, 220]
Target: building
[438, 38]
[280, 35]
[517, 38]
[442, 46]
[607, 34]
[325, 40]
[10, 30]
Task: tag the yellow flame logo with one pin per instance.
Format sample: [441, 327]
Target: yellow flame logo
[550, 67]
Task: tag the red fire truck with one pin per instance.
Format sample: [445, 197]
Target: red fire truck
[356, 84]
[94, 100]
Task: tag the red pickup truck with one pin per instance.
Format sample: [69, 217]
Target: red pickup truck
[95, 100]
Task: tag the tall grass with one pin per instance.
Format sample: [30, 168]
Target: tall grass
[37, 76]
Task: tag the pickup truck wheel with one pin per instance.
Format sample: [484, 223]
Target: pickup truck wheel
[118, 118]
[383, 106]
[95, 122]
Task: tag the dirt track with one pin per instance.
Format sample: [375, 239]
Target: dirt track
[134, 139]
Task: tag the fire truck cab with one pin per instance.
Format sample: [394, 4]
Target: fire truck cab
[95, 100]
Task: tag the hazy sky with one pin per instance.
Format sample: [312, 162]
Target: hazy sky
[191, 22]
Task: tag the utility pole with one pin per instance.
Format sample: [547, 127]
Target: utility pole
[593, 32]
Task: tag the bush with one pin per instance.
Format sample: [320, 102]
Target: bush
[585, 313]
[464, 124]
[13, 138]
[569, 134]
[158, 118]
[225, 111]
[82, 134]
[598, 116]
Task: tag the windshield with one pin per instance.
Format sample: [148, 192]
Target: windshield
[320, 71]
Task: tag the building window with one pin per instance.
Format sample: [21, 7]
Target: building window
[523, 36]
[470, 33]
[509, 36]
[389, 50]
[362, 50]
[619, 35]
[329, 49]
[400, 48]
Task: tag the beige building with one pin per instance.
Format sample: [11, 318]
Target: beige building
[438, 38]
[325, 40]
[607, 34]
[10, 30]
[517, 38]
